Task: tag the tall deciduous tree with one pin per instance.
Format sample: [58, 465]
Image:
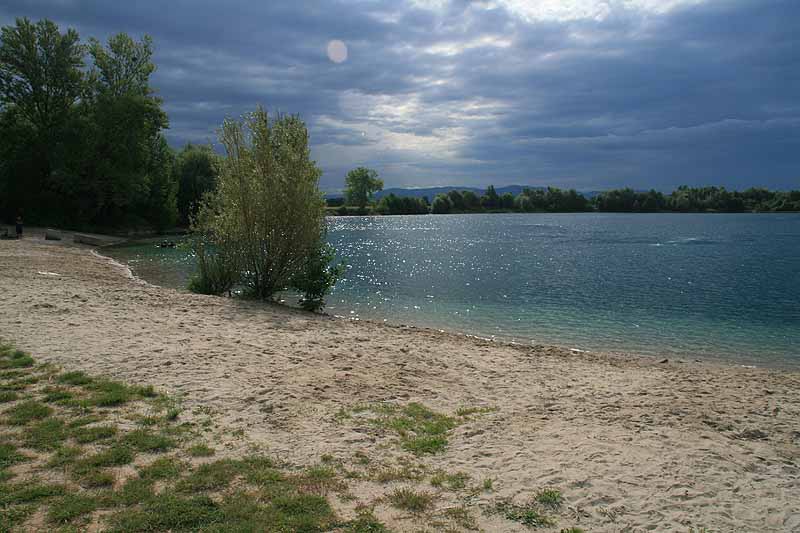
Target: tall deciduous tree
[40, 81]
[40, 71]
[360, 183]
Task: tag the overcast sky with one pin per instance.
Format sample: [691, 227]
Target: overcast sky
[574, 93]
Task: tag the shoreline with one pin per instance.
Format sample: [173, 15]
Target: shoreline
[651, 445]
[723, 359]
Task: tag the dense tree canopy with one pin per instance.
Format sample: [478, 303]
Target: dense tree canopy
[195, 172]
[82, 147]
[360, 183]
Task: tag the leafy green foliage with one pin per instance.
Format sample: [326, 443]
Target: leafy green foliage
[87, 140]
[218, 267]
[195, 171]
[402, 205]
[266, 218]
[360, 183]
[317, 277]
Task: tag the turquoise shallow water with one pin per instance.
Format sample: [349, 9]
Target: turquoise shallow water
[719, 286]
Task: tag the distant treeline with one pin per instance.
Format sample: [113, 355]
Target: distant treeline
[82, 142]
[553, 200]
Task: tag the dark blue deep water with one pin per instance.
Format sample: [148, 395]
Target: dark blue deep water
[720, 286]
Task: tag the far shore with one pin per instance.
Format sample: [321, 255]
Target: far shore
[632, 443]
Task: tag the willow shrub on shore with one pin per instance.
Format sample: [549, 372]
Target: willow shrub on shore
[265, 222]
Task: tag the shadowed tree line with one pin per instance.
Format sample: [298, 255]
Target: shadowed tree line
[554, 200]
[82, 142]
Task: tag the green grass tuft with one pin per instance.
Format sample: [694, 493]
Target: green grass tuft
[200, 450]
[527, 515]
[8, 396]
[110, 393]
[146, 441]
[13, 516]
[162, 468]
[455, 481]
[116, 455]
[16, 359]
[411, 501]
[365, 522]
[74, 378]
[55, 394]
[9, 455]
[64, 456]
[421, 430]
[28, 492]
[45, 435]
[95, 478]
[27, 412]
[134, 491]
[168, 512]
[550, 498]
[211, 476]
[85, 435]
[69, 507]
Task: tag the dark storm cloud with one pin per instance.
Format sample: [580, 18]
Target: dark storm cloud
[474, 92]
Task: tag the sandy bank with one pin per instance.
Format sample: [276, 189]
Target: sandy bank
[633, 444]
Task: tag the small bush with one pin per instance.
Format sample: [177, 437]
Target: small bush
[217, 270]
[317, 277]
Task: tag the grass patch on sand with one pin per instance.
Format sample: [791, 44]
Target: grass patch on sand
[26, 412]
[411, 500]
[200, 450]
[529, 514]
[421, 430]
[81, 435]
[550, 498]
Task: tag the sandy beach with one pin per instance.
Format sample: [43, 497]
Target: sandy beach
[633, 443]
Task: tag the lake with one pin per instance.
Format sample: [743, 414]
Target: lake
[687, 285]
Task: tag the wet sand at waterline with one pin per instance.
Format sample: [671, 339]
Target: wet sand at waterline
[632, 443]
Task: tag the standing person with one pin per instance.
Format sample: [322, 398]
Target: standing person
[19, 226]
